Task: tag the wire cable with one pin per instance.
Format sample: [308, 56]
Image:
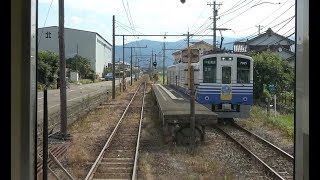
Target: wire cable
[45, 22]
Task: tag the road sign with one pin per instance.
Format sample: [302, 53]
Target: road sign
[272, 88]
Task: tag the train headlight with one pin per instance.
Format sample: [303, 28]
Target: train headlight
[226, 90]
[245, 99]
[206, 98]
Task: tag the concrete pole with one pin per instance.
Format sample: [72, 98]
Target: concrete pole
[63, 94]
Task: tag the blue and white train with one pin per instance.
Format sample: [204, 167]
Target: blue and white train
[224, 83]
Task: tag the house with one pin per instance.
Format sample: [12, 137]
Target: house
[87, 44]
[119, 65]
[202, 46]
[276, 43]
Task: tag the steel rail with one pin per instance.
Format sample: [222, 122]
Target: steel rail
[99, 158]
[138, 140]
[268, 168]
[287, 155]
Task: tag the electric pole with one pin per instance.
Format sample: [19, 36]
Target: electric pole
[122, 64]
[151, 64]
[214, 22]
[259, 28]
[113, 60]
[63, 94]
[164, 56]
[131, 60]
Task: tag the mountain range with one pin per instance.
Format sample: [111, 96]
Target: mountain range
[157, 47]
[144, 54]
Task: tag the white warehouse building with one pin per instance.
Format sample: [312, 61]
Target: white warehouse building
[87, 44]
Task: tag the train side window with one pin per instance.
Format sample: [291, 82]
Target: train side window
[209, 70]
[226, 75]
[243, 70]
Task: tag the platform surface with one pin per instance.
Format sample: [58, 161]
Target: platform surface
[175, 107]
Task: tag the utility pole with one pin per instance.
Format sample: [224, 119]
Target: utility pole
[192, 103]
[214, 22]
[131, 60]
[113, 59]
[131, 68]
[155, 60]
[189, 61]
[63, 94]
[122, 64]
[259, 28]
[151, 64]
[164, 56]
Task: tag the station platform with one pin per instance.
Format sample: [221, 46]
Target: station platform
[174, 107]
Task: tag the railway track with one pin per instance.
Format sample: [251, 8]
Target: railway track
[118, 158]
[57, 150]
[277, 162]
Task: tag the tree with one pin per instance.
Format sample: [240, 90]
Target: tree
[270, 69]
[48, 66]
[82, 66]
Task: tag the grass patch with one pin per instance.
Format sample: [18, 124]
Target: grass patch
[146, 166]
[84, 81]
[161, 79]
[283, 122]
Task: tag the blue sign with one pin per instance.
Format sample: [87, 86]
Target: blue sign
[272, 88]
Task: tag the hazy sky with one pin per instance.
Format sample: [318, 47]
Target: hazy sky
[171, 17]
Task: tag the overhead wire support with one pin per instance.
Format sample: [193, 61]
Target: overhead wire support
[160, 35]
[214, 22]
[133, 47]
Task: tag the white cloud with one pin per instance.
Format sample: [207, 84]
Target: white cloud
[75, 20]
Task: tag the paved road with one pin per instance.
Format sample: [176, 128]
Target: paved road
[75, 94]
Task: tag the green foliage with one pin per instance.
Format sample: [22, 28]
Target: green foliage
[283, 122]
[85, 81]
[81, 65]
[286, 99]
[48, 66]
[266, 95]
[269, 68]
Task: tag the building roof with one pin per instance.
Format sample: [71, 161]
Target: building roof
[79, 30]
[269, 32]
[193, 44]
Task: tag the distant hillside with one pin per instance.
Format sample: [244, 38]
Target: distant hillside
[157, 46]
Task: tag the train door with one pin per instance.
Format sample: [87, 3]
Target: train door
[209, 70]
[226, 94]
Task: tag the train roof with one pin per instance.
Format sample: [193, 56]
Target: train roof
[225, 54]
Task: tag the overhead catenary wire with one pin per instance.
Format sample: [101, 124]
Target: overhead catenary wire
[266, 17]
[278, 16]
[239, 14]
[275, 32]
[239, 8]
[45, 21]
[254, 34]
[236, 4]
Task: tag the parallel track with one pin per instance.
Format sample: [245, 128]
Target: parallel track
[118, 158]
[276, 161]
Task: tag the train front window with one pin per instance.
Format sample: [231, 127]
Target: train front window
[209, 70]
[243, 70]
[226, 75]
